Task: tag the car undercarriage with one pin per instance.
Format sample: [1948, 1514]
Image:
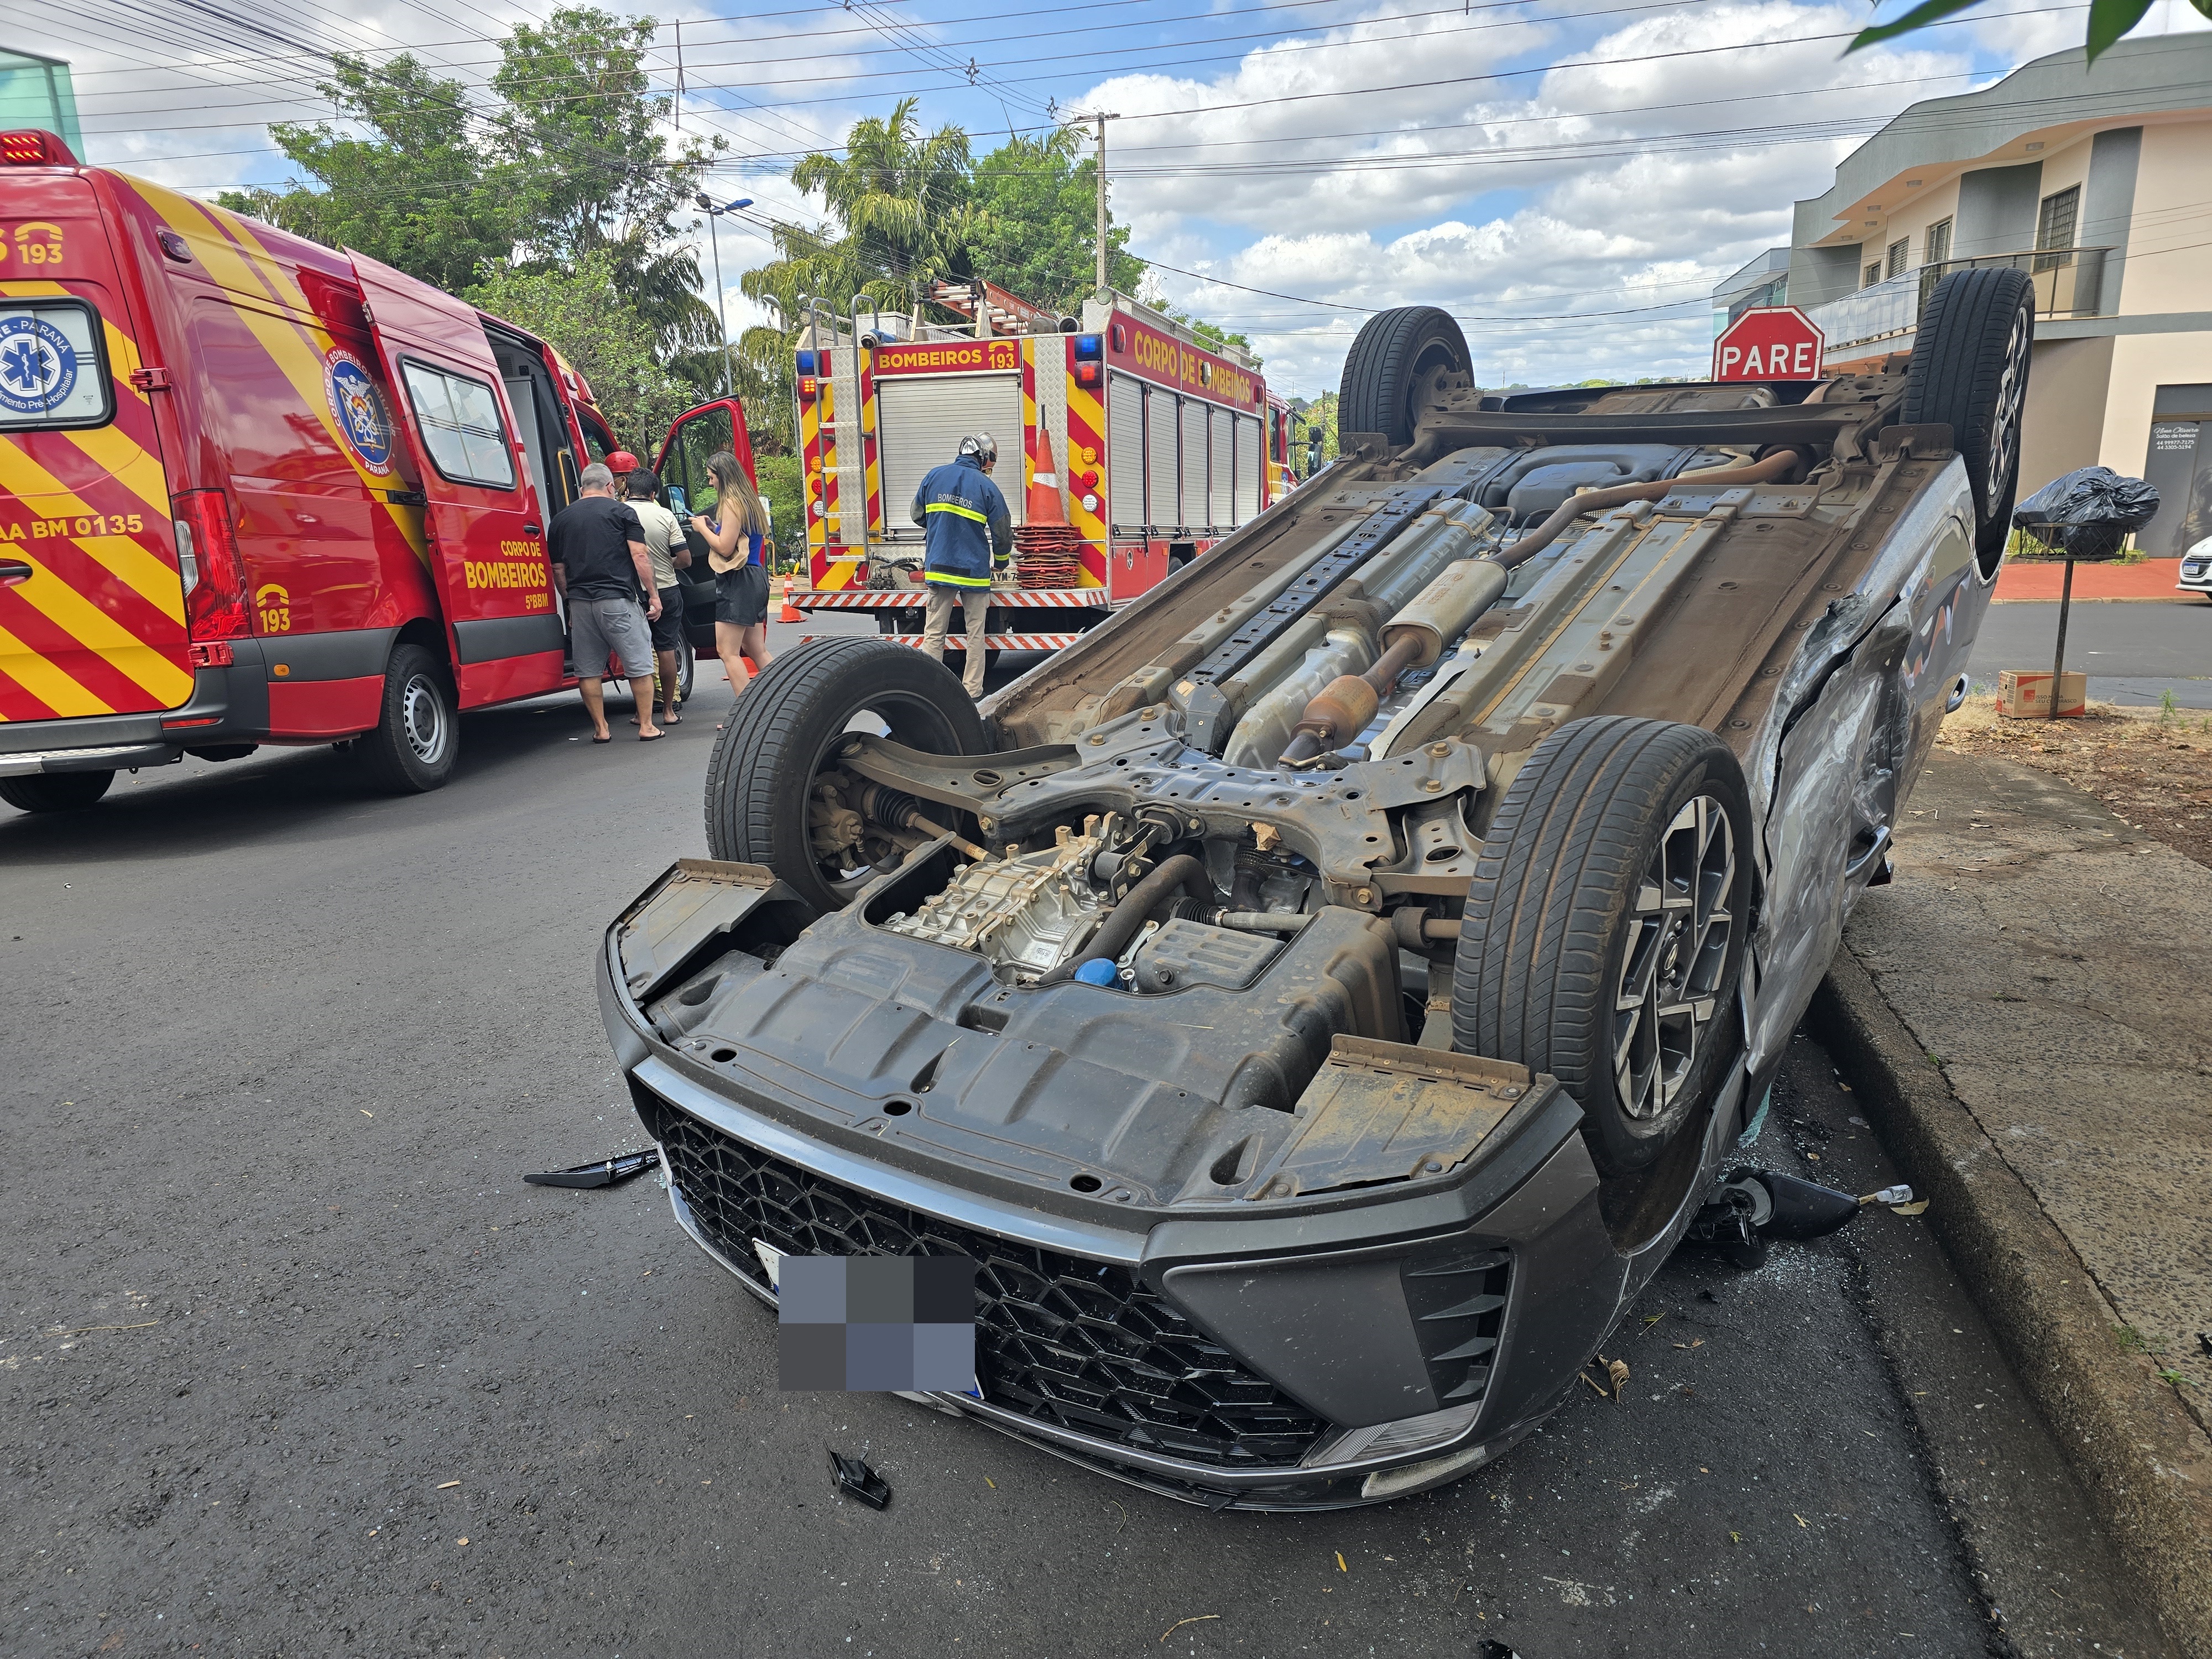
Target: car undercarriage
[1319, 997]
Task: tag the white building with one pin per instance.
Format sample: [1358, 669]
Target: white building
[2096, 181]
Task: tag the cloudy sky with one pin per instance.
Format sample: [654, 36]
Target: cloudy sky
[1570, 178]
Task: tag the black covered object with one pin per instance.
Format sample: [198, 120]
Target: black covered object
[2088, 514]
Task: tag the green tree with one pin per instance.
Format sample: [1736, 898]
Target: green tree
[417, 192]
[1036, 229]
[2109, 20]
[579, 310]
[566, 160]
[578, 142]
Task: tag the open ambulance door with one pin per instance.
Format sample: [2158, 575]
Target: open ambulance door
[694, 438]
[485, 524]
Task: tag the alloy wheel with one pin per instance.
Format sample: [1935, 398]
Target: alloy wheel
[1678, 946]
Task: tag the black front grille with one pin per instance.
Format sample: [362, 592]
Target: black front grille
[1078, 1345]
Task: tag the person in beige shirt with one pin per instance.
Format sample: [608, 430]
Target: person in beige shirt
[668, 552]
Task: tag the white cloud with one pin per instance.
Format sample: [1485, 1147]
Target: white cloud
[1617, 189]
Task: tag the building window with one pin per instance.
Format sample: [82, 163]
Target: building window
[2054, 223]
[1872, 275]
[1938, 248]
[1900, 252]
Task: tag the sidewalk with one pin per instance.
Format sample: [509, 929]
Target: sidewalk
[2153, 579]
[2028, 1011]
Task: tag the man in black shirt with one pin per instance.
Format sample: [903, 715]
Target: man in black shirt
[600, 565]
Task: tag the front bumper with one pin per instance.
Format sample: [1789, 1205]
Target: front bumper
[2196, 576]
[228, 706]
[1254, 1360]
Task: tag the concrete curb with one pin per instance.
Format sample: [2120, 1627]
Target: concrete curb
[2145, 1463]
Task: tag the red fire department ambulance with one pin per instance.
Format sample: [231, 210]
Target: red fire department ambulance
[256, 491]
[1125, 449]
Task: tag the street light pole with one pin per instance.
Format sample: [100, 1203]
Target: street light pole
[721, 295]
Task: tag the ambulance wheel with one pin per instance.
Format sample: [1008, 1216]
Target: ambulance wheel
[412, 751]
[1969, 372]
[55, 792]
[1401, 360]
[784, 732]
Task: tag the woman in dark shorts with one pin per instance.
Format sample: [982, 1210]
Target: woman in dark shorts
[733, 535]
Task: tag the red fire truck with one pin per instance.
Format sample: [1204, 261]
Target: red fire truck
[253, 490]
[1138, 449]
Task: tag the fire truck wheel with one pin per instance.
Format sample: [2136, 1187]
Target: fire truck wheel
[784, 731]
[412, 748]
[1969, 372]
[1399, 359]
[55, 792]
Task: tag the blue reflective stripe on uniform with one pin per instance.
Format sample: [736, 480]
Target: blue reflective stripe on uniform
[950, 580]
[954, 507]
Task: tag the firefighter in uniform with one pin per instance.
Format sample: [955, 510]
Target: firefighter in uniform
[969, 529]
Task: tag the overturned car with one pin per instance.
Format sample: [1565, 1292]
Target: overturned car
[1320, 998]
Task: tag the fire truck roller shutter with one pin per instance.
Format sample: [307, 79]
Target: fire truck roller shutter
[1161, 472]
[1195, 512]
[922, 419]
[1125, 452]
[1247, 468]
[1221, 453]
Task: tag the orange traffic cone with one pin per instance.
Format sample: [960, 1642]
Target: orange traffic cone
[1044, 507]
[791, 613]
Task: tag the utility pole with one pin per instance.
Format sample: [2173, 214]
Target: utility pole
[1101, 118]
[677, 112]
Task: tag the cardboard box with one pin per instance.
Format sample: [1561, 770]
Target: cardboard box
[2024, 694]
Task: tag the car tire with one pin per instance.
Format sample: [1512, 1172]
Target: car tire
[1971, 356]
[417, 733]
[783, 730]
[1604, 934]
[1399, 356]
[55, 792]
[687, 671]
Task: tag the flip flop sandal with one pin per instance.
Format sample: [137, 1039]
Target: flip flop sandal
[654, 736]
[610, 738]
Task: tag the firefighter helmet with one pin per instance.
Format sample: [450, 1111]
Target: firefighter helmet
[981, 444]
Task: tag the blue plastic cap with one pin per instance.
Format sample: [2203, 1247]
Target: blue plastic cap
[1097, 971]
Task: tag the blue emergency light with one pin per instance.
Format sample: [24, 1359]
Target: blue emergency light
[1089, 348]
[806, 363]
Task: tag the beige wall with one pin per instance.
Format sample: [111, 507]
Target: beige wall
[2141, 364]
[2064, 425]
[2170, 238]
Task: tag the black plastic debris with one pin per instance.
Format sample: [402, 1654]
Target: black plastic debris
[2089, 514]
[856, 1480]
[607, 1172]
[1751, 1207]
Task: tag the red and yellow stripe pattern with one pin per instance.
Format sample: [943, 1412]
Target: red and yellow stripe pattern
[872, 472]
[1087, 454]
[98, 627]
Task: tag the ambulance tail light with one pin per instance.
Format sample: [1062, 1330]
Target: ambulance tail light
[207, 555]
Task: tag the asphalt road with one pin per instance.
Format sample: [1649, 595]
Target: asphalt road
[295, 1364]
[2131, 650]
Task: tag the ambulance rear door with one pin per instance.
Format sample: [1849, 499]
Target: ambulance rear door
[92, 603]
[486, 527]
